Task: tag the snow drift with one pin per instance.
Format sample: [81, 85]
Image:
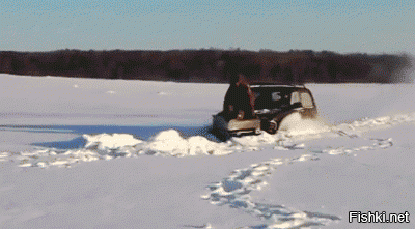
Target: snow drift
[171, 143]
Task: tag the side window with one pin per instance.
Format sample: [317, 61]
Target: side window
[295, 98]
[306, 100]
[276, 96]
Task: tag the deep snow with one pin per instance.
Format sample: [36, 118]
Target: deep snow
[171, 173]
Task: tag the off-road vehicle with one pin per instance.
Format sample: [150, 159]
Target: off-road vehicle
[273, 104]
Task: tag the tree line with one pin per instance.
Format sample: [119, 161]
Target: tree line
[210, 66]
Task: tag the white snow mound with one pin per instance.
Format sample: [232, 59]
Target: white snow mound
[107, 141]
[170, 143]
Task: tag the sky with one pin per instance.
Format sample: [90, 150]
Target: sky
[343, 26]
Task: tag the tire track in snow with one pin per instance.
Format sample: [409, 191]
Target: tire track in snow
[234, 191]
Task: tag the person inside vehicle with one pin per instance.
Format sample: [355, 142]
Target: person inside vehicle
[239, 99]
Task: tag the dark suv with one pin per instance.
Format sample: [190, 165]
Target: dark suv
[272, 104]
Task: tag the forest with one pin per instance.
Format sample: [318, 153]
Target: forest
[210, 65]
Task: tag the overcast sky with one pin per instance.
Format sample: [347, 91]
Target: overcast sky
[344, 26]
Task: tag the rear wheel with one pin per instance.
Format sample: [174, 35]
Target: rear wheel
[221, 134]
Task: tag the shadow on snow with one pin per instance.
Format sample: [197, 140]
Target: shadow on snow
[139, 132]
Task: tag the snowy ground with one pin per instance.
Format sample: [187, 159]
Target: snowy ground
[83, 153]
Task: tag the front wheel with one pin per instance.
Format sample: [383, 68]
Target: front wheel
[273, 127]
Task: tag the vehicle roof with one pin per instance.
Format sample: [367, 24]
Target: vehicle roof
[277, 87]
[262, 84]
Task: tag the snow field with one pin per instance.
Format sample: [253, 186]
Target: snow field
[357, 164]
